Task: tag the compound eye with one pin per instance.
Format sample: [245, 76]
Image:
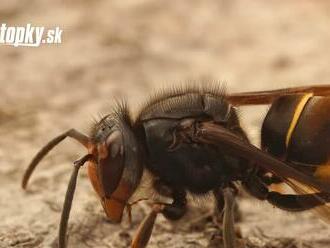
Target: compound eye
[111, 162]
[119, 170]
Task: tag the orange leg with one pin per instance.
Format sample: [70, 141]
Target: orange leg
[144, 232]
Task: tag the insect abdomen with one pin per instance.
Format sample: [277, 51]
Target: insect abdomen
[297, 129]
[310, 141]
[277, 124]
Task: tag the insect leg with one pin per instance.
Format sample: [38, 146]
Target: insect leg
[270, 179]
[178, 208]
[68, 200]
[144, 232]
[289, 202]
[72, 133]
[219, 205]
[172, 211]
[297, 202]
[229, 236]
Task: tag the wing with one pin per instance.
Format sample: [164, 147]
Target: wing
[210, 133]
[322, 211]
[267, 97]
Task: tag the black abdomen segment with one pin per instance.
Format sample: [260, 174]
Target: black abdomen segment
[277, 123]
[310, 139]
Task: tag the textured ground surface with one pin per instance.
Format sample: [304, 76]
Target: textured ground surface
[127, 49]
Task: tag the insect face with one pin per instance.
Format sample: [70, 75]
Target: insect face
[116, 172]
[114, 165]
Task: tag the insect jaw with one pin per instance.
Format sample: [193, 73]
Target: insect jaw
[115, 204]
[108, 174]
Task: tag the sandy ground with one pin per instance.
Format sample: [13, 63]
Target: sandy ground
[127, 48]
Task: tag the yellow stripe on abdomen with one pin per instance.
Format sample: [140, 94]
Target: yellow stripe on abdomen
[299, 109]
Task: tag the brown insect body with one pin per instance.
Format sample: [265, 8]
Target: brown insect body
[191, 141]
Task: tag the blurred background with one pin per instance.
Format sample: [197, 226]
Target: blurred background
[127, 49]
